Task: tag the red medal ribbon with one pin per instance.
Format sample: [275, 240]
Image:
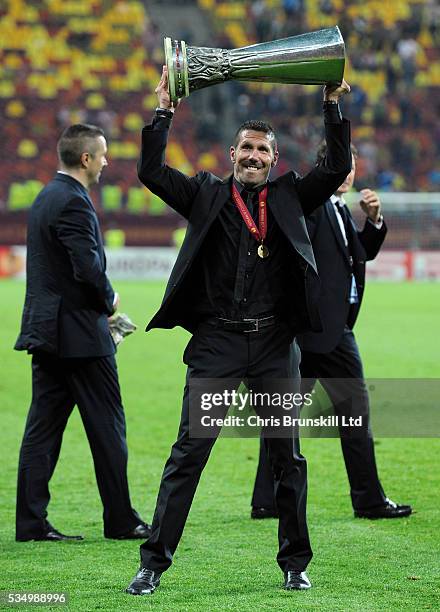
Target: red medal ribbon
[258, 233]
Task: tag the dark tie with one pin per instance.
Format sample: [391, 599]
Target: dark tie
[250, 202]
[342, 210]
[353, 297]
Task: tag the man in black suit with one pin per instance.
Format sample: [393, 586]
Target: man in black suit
[244, 291]
[332, 356]
[65, 327]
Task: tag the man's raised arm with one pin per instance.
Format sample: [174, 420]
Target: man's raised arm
[174, 187]
[322, 181]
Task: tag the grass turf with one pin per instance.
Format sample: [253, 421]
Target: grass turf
[226, 561]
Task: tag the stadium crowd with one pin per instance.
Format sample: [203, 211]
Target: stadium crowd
[99, 61]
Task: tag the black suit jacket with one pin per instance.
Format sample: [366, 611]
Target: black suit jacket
[335, 270]
[200, 198]
[68, 295]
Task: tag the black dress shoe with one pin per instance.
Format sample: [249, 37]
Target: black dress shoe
[388, 510]
[145, 582]
[53, 535]
[141, 532]
[294, 580]
[264, 513]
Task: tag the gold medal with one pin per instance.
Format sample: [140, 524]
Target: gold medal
[263, 251]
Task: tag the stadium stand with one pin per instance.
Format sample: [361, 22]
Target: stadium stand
[99, 61]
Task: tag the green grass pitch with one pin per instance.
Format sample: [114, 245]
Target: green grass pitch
[226, 561]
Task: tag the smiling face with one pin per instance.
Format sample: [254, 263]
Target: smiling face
[348, 183]
[95, 160]
[253, 157]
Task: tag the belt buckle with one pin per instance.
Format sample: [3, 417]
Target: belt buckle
[251, 331]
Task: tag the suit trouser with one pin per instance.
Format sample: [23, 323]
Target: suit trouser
[344, 364]
[57, 385]
[255, 358]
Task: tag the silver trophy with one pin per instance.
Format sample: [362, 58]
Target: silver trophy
[309, 59]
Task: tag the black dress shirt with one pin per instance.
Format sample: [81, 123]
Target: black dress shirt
[236, 282]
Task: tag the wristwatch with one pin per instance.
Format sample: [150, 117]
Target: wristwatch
[164, 112]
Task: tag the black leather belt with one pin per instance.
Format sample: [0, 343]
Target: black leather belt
[247, 326]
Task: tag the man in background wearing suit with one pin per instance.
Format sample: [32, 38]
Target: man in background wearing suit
[341, 251]
[65, 327]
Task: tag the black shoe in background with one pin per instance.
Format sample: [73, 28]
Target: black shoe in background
[141, 532]
[388, 510]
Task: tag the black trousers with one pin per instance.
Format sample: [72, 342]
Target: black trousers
[57, 385]
[344, 362]
[253, 357]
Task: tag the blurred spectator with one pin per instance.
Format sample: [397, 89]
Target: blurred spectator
[407, 50]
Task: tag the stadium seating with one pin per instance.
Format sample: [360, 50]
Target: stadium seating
[66, 61]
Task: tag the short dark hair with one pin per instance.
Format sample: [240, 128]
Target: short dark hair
[75, 140]
[257, 126]
[322, 151]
